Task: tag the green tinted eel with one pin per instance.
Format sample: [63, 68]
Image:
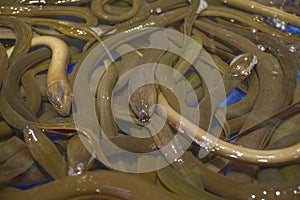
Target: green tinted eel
[177, 183]
[268, 78]
[3, 64]
[14, 117]
[23, 35]
[99, 182]
[10, 147]
[245, 18]
[45, 152]
[104, 98]
[79, 158]
[97, 9]
[68, 28]
[38, 11]
[144, 97]
[220, 185]
[263, 10]
[240, 67]
[15, 165]
[49, 2]
[155, 6]
[271, 86]
[11, 81]
[116, 14]
[31, 87]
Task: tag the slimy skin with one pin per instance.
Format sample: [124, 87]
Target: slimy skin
[228, 150]
[59, 90]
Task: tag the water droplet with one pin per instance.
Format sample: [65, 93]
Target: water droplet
[158, 10]
[258, 18]
[254, 30]
[277, 23]
[265, 192]
[277, 193]
[261, 47]
[293, 48]
[98, 191]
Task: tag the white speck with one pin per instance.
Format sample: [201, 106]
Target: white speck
[293, 48]
[261, 47]
[97, 30]
[158, 10]
[265, 192]
[203, 5]
[30, 132]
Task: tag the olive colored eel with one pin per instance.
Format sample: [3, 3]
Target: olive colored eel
[58, 88]
[268, 11]
[79, 159]
[287, 60]
[144, 98]
[10, 88]
[245, 105]
[55, 2]
[35, 11]
[145, 19]
[172, 155]
[15, 165]
[157, 7]
[219, 11]
[16, 120]
[40, 147]
[228, 150]
[104, 98]
[31, 87]
[222, 186]
[269, 77]
[101, 184]
[287, 127]
[10, 147]
[68, 28]
[112, 184]
[178, 184]
[97, 9]
[240, 68]
[23, 35]
[113, 14]
[3, 64]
